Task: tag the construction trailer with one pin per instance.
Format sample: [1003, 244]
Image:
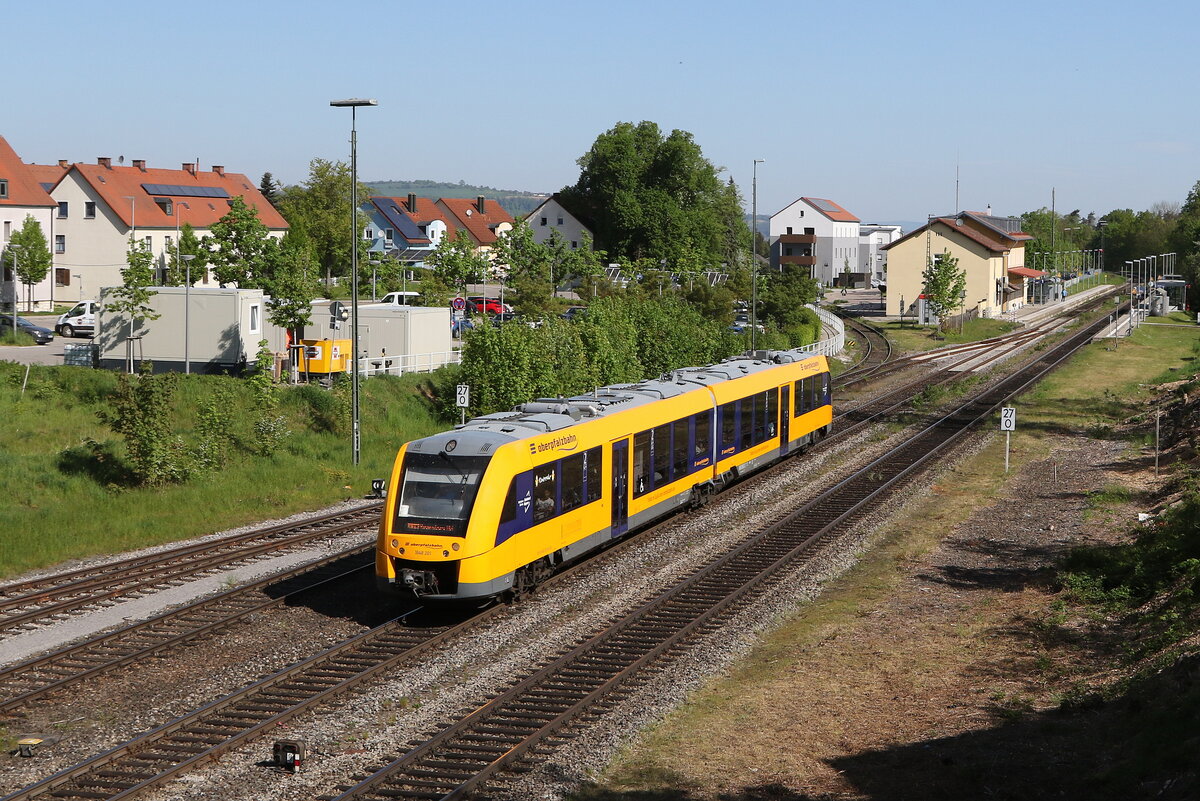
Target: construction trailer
[200, 329]
[391, 339]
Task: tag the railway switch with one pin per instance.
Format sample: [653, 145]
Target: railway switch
[289, 754]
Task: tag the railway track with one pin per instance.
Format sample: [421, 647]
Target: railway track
[32, 680]
[580, 682]
[25, 604]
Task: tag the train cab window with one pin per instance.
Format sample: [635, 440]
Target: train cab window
[824, 389]
[508, 512]
[572, 482]
[818, 392]
[728, 426]
[703, 446]
[641, 463]
[592, 469]
[439, 487]
[661, 446]
[749, 420]
[679, 448]
[544, 500]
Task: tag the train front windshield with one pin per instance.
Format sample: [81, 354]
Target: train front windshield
[437, 491]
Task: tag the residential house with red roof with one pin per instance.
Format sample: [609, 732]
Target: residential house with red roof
[990, 249]
[392, 231]
[819, 234]
[483, 220]
[22, 195]
[101, 206]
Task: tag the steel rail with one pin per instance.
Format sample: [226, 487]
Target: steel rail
[68, 598]
[33, 679]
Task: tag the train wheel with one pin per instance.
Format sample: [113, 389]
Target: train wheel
[527, 578]
[701, 495]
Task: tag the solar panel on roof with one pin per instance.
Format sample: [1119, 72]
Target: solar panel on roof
[824, 205]
[179, 190]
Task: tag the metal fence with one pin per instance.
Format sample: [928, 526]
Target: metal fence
[407, 363]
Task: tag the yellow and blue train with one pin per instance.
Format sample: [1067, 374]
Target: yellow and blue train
[494, 506]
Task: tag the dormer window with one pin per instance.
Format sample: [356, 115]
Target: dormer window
[3, 187]
[166, 205]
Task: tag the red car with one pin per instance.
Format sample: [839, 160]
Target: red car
[479, 304]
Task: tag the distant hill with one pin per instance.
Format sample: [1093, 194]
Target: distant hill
[515, 202]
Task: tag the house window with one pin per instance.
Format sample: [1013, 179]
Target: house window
[560, 220]
[62, 276]
[254, 318]
[62, 209]
[544, 220]
[3, 187]
[574, 245]
[801, 212]
[787, 251]
[165, 204]
[789, 230]
[149, 244]
[389, 234]
[60, 243]
[89, 209]
[369, 233]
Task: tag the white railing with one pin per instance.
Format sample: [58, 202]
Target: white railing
[407, 363]
[833, 334]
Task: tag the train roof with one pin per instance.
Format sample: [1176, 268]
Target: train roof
[480, 436]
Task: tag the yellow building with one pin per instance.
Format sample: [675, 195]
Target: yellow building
[989, 249]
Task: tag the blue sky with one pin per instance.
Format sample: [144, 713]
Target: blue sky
[871, 104]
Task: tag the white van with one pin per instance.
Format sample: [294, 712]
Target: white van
[401, 298]
[79, 321]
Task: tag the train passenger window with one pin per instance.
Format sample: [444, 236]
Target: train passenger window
[679, 448]
[508, 512]
[824, 389]
[544, 500]
[572, 482]
[818, 393]
[662, 455]
[802, 392]
[749, 420]
[641, 463]
[728, 426]
[771, 397]
[703, 436]
[592, 468]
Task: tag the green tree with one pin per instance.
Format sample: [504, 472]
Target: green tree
[944, 285]
[456, 260]
[132, 297]
[654, 196]
[784, 298]
[178, 268]
[269, 187]
[240, 246]
[321, 209]
[32, 257]
[289, 276]
[141, 415]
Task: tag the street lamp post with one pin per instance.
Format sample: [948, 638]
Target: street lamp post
[753, 254]
[16, 249]
[186, 258]
[374, 266]
[353, 104]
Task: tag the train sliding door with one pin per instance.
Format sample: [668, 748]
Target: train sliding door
[620, 487]
[785, 414]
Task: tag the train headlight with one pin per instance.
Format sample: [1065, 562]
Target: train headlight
[454, 546]
[395, 542]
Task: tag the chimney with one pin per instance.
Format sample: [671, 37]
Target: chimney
[412, 203]
[63, 163]
[189, 167]
[219, 169]
[989, 210]
[480, 203]
[140, 164]
[105, 162]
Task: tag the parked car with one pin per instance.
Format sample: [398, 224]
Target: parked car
[40, 335]
[502, 318]
[574, 312]
[79, 321]
[460, 324]
[479, 304]
[401, 298]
